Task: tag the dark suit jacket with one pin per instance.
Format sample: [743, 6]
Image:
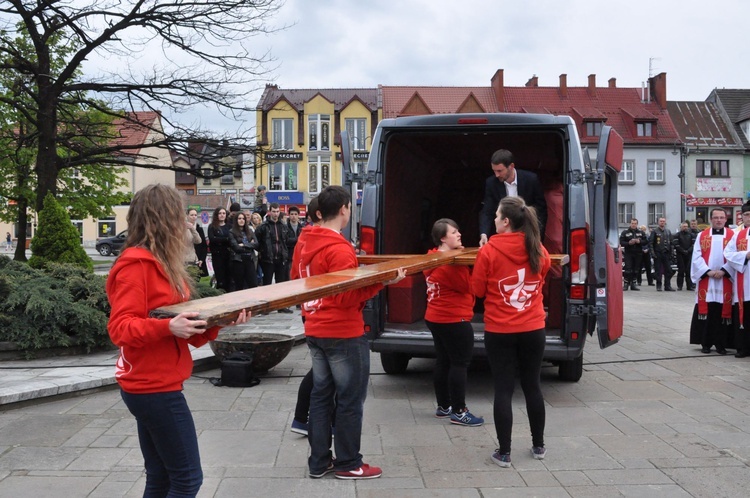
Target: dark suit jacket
[529, 189]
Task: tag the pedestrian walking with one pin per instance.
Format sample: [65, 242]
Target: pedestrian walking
[8, 242]
[509, 273]
[154, 358]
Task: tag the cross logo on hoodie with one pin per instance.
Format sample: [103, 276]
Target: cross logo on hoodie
[518, 294]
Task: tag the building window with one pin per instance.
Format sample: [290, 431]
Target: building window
[282, 134]
[79, 228]
[283, 176]
[745, 125]
[356, 130]
[593, 128]
[644, 129]
[655, 211]
[627, 173]
[319, 131]
[712, 168]
[106, 228]
[319, 175]
[625, 213]
[655, 171]
[207, 177]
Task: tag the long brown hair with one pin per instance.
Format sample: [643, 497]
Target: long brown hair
[523, 218]
[237, 231]
[156, 222]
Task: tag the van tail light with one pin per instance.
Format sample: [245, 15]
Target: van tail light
[578, 263]
[367, 240]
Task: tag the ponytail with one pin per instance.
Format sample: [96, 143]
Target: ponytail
[523, 218]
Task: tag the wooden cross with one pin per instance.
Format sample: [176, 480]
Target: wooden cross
[222, 310]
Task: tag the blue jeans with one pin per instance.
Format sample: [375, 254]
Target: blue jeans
[166, 433]
[341, 369]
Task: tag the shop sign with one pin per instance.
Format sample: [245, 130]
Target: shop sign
[283, 156]
[285, 197]
[715, 201]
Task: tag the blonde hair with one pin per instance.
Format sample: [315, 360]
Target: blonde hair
[156, 223]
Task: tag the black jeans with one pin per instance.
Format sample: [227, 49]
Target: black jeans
[646, 265]
[277, 268]
[663, 264]
[222, 271]
[454, 345]
[505, 352]
[245, 274]
[632, 266]
[683, 270]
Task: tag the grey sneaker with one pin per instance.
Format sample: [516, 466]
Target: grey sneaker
[502, 459]
[443, 412]
[538, 452]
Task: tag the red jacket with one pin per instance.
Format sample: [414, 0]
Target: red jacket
[449, 297]
[339, 316]
[152, 359]
[513, 293]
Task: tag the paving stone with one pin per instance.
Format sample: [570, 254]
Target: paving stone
[634, 446]
[531, 492]
[309, 488]
[716, 481]
[17, 486]
[238, 448]
[627, 476]
[653, 491]
[98, 459]
[42, 430]
[38, 458]
[491, 478]
[420, 493]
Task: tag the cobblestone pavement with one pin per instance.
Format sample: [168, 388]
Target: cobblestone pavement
[652, 416]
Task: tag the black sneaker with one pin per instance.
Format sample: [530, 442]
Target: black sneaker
[285, 310]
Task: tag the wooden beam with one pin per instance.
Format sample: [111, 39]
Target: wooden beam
[464, 259]
[222, 310]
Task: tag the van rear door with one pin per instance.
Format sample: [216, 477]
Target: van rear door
[606, 277]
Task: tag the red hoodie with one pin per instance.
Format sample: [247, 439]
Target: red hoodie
[152, 359]
[338, 316]
[513, 293]
[294, 271]
[449, 297]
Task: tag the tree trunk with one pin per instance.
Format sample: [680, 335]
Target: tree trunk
[20, 254]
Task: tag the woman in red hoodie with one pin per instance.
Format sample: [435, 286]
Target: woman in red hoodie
[450, 307]
[509, 273]
[154, 357]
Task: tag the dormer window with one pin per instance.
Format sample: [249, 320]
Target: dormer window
[644, 128]
[594, 128]
[745, 125]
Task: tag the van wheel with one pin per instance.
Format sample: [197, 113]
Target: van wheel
[394, 363]
[571, 370]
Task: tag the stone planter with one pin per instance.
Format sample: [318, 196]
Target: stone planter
[267, 349]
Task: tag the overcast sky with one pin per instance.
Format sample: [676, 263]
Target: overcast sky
[701, 45]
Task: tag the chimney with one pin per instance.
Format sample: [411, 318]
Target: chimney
[497, 87]
[592, 85]
[658, 86]
[564, 86]
[613, 83]
[533, 82]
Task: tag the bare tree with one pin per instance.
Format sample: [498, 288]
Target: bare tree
[204, 57]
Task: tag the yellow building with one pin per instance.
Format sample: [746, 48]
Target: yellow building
[299, 139]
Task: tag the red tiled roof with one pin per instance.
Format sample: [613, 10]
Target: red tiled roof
[608, 101]
[439, 99]
[134, 130]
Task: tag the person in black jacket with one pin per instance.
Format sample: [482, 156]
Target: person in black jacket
[272, 237]
[632, 241]
[524, 184]
[243, 244]
[646, 260]
[218, 238]
[294, 226]
[661, 250]
[201, 248]
[683, 242]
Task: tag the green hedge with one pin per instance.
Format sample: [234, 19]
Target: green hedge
[60, 305]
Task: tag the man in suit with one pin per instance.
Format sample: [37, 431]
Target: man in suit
[508, 180]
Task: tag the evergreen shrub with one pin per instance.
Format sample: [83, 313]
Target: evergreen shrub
[56, 239]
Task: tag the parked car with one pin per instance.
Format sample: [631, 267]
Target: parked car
[111, 246]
